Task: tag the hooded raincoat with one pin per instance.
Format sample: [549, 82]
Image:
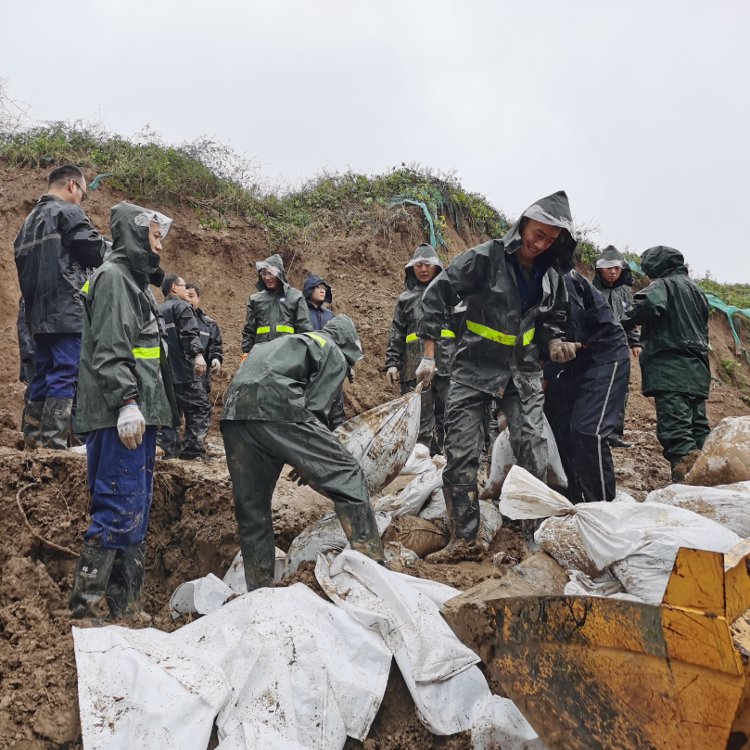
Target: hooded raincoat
[271, 314]
[507, 325]
[122, 356]
[619, 295]
[673, 314]
[404, 345]
[319, 316]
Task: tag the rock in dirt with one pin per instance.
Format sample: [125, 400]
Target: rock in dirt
[725, 458]
[417, 534]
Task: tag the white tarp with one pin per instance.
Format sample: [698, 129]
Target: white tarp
[638, 540]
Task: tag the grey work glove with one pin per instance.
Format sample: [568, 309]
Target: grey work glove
[562, 351]
[426, 370]
[215, 367]
[392, 375]
[199, 366]
[130, 426]
[294, 476]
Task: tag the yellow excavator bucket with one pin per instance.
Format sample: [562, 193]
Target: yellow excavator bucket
[608, 674]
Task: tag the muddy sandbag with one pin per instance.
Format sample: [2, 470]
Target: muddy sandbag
[503, 459]
[416, 534]
[725, 457]
[727, 504]
[383, 438]
[410, 500]
[325, 535]
[419, 461]
[561, 539]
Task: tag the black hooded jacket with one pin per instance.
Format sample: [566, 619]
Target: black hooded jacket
[619, 295]
[53, 249]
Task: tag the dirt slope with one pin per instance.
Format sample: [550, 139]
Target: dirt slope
[192, 529]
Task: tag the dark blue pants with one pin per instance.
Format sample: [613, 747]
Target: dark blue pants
[56, 366]
[121, 485]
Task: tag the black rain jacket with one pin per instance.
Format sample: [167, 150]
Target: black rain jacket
[619, 295]
[183, 338]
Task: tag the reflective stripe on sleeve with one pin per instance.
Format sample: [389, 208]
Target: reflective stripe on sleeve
[284, 329]
[262, 329]
[85, 287]
[146, 352]
[279, 329]
[319, 339]
[411, 337]
[498, 336]
[446, 333]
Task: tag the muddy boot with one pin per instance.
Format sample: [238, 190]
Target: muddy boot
[259, 570]
[32, 425]
[90, 582]
[56, 422]
[462, 502]
[125, 586]
[358, 522]
[682, 466]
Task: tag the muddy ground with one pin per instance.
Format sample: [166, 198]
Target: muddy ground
[192, 530]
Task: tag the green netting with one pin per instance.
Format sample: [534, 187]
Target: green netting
[730, 311]
[436, 238]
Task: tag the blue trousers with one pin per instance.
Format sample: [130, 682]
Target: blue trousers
[56, 366]
[121, 485]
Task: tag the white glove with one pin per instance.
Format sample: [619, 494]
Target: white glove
[130, 426]
[392, 375]
[215, 367]
[562, 351]
[426, 370]
[199, 366]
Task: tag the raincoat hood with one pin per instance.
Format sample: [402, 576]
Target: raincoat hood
[611, 257]
[553, 210]
[424, 253]
[311, 282]
[341, 329]
[130, 226]
[661, 261]
[275, 265]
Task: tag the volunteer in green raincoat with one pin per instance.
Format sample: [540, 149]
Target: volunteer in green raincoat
[673, 314]
[275, 413]
[276, 309]
[404, 350]
[515, 312]
[124, 395]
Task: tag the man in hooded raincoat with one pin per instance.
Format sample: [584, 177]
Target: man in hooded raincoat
[515, 313]
[124, 395]
[673, 314]
[585, 397]
[276, 309]
[614, 279]
[318, 294]
[404, 352]
[275, 413]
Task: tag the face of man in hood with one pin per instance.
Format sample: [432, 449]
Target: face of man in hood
[610, 275]
[318, 295]
[536, 239]
[425, 272]
[269, 279]
[155, 237]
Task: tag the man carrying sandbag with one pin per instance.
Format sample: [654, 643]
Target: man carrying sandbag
[673, 314]
[516, 310]
[275, 413]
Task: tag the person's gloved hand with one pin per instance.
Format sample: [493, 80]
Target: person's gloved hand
[294, 476]
[199, 366]
[130, 426]
[562, 351]
[215, 367]
[426, 370]
[392, 375]
[636, 351]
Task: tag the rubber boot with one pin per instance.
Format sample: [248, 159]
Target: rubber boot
[358, 522]
[258, 572]
[56, 422]
[462, 502]
[125, 586]
[682, 465]
[90, 582]
[32, 424]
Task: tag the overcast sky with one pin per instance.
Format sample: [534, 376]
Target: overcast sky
[639, 109]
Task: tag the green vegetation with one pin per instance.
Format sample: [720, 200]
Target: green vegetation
[731, 294]
[220, 185]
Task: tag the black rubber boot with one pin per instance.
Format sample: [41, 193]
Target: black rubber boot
[90, 582]
[125, 586]
[56, 422]
[358, 522]
[462, 503]
[32, 424]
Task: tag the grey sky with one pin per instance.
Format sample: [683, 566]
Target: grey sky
[639, 110]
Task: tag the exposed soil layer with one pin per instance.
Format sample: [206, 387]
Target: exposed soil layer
[192, 530]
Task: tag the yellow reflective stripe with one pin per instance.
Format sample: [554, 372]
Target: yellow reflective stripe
[497, 336]
[262, 329]
[85, 287]
[284, 329]
[446, 333]
[146, 352]
[411, 337]
[315, 337]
